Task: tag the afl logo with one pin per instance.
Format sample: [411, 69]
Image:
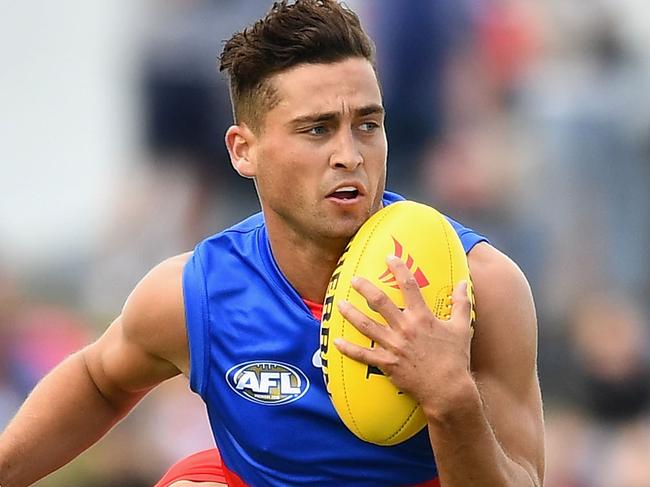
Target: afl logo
[268, 383]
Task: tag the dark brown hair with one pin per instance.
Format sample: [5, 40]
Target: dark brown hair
[306, 31]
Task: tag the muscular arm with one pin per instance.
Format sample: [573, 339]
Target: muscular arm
[490, 432]
[90, 391]
[481, 397]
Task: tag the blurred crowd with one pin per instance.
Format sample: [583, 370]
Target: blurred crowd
[528, 121]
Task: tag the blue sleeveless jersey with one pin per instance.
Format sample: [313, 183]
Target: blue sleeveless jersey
[254, 359]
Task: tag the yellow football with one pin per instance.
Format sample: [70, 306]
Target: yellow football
[365, 399]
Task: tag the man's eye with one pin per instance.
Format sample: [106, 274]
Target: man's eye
[318, 130]
[369, 126]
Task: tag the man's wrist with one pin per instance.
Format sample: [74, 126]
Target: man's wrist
[459, 399]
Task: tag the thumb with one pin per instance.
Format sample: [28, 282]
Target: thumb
[461, 307]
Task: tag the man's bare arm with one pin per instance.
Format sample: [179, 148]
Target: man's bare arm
[492, 432]
[90, 391]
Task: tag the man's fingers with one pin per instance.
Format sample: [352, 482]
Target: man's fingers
[407, 282]
[363, 323]
[377, 357]
[355, 352]
[377, 300]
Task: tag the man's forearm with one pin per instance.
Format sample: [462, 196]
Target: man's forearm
[65, 414]
[467, 450]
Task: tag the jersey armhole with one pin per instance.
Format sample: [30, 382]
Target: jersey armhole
[469, 239]
[196, 321]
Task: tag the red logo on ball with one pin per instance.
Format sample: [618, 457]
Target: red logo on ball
[389, 279]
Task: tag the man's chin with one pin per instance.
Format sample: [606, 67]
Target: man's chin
[344, 228]
[344, 222]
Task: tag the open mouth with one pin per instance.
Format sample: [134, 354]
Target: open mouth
[345, 193]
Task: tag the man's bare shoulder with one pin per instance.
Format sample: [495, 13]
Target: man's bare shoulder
[154, 313]
[506, 324]
[498, 280]
[487, 261]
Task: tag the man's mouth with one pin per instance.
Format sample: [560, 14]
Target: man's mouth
[345, 193]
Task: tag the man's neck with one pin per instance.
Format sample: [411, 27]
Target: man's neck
[306, 264]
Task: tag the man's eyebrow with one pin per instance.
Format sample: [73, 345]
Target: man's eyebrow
[369, 110]
[314, 118]
[329, 116]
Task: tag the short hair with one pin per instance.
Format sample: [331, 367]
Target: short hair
[305, 31]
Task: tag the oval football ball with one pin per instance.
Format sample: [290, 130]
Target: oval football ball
[365, 399]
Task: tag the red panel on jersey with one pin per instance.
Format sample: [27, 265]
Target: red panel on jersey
[315, 308]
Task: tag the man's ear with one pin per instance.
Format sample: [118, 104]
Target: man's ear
[240, 141]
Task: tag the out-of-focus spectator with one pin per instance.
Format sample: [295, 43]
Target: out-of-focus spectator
[416, 45]
[567, 441]
[581, 452]
[182, 434]
[10, 398]
[610, 339]
[604, 439]
[507, 40]
[43, 335]
[187, 110]
[185, 187]
[586, 104]
[626, 464]
[478, 168]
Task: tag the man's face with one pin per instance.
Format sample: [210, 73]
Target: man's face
[320, 157]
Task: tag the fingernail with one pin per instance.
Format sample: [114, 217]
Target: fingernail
[343, 303]
[390, 258]
[354, 280]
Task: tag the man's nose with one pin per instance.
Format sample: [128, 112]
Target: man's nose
[346, 154]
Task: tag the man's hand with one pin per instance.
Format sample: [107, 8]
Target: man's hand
[423, 355]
